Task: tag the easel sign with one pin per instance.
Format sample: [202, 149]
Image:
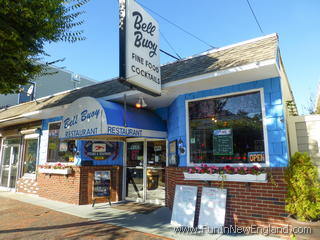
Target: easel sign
[101, 186]
[212, 208]
[184, 206]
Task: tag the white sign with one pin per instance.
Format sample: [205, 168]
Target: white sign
[140, 53]
[184, 206]
[212, 208]
[84, 117]
[87, 117]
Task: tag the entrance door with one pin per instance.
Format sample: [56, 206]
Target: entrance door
[146, 161]
[9, 163]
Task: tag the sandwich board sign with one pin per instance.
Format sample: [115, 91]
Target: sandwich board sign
[212, 208]
[184, 206]
[139, 48]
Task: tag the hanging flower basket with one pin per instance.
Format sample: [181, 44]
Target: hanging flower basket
[226, 173]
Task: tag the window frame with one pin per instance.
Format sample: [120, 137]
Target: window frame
[264, 126]
[54, 163]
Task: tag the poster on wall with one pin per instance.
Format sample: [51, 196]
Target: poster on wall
[184, 206]
[139, 48]
[173, 155]
[101, 150]
[212, 207]
[223, 141]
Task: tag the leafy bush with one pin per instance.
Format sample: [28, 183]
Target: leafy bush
[303, 198]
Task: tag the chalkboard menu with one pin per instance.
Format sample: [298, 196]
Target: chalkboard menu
[101, 185]
[223, 141]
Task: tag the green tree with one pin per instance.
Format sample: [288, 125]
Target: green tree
[25, 26]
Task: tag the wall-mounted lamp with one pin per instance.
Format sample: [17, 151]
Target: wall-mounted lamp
[141, 103]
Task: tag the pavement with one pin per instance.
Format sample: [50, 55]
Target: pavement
[25, 216]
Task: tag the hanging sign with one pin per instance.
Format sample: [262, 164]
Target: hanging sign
[101, 150]
[139, 48]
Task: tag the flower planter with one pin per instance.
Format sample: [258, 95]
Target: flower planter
[64, 171]
[226, 177]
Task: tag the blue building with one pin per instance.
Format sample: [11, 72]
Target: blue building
[225, 108]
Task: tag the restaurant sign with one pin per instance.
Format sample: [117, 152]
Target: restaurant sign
[139, 48]
[88, 117]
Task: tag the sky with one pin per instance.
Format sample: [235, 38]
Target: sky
[217, 22]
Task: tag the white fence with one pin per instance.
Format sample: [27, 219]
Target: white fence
[304, 136]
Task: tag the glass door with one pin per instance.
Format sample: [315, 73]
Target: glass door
[135, 171]
[9, 163]
[155, 172]
[145, 171]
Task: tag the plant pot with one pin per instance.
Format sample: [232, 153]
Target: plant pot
[311, 229]
[64, 171]
[226, 177]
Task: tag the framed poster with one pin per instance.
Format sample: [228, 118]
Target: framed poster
[173, 155]
[184, 206]
[101, 184]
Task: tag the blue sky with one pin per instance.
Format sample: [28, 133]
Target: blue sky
[218, 22]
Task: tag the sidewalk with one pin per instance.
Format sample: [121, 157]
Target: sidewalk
[157, 222]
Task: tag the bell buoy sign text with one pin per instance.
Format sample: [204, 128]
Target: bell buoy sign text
[139, 48]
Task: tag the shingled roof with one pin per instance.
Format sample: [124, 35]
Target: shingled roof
[255, 50]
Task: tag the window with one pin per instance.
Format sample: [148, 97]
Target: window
[58, 150]
[226, 130]
[30, 156]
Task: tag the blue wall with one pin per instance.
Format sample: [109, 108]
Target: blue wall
[175, 114]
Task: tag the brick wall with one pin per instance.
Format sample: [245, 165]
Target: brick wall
[87, 175]
[248, 204]
[76, 188]
[27, 185]
[64, 188]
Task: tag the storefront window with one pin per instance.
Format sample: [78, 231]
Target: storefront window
[30, 156]
[59, 151]
[226, 130]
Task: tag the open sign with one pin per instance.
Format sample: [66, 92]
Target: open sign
[256, 156]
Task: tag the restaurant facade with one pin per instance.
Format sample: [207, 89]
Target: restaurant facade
[222, 108]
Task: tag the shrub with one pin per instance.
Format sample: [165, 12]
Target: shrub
[303, 198]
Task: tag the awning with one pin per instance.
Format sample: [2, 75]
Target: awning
[88, 117]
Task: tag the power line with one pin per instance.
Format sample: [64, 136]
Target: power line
[254, 15]
[172, 23]
[170, 46]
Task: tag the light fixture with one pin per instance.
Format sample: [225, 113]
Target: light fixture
[141, 103]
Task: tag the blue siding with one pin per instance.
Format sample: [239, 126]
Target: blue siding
[175, 114]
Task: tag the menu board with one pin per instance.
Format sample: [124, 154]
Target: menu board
[223, 141]
[212, 208]
[184, 205]
[101, 185]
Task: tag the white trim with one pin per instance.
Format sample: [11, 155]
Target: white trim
[31, 136]
[265, 132]
[241, 68]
